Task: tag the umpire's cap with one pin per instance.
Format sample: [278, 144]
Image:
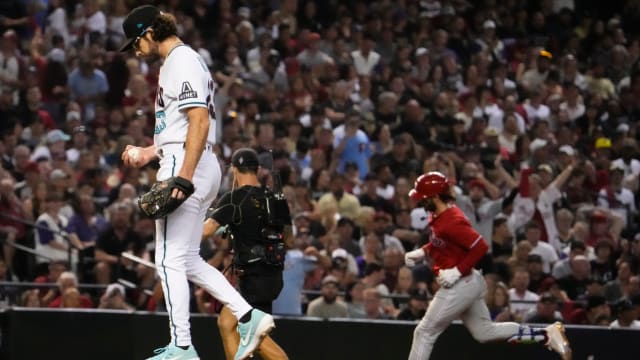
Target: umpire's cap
[137, 23]
[245, 158]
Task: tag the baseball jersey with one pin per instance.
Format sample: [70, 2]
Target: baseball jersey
[184, 82]
[453, 242]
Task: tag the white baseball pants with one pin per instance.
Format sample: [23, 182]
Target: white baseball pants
[465, 300]
[178, 239]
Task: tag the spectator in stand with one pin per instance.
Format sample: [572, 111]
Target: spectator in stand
[345, 230]
[562, 267]
[546, 252]
[373, 307]
[519, 296]
[380, 225]
[616, 197]
[371, 252]
[30, 298]
[499, 304]
[596, 312]
[69, 296]
[536, 203]
[328, 305]
[345, 204]
[312, 56]
[618, 288]
[534, 78]
[603, 267]
[12, 230]
[416, 307]
[86, 223]
[49, 239]
[546, 311]
[537, 276]
[88, 86]
[575, 284]
[365, 58]
[501, 240]
[627, 316]
[352, 145]
[114, 298]
[520, 255]
[118, 238]
[355, 300]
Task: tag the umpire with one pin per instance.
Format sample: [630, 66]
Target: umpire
[259, 224]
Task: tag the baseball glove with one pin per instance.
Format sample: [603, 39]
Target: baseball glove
[158, 202]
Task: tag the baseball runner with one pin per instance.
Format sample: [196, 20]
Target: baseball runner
[455, 248]
[189, 179]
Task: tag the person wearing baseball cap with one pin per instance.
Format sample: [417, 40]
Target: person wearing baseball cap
[455, 248]
[184, 137]
[626, 317]
[259, 245]
[137, 25]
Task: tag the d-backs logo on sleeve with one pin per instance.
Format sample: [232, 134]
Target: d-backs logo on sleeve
[187, 92]
[160, 115]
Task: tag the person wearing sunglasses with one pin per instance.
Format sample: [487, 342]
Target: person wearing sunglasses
[184, 139]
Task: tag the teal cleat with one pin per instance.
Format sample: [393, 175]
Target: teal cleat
[172, 352]
[253, 332]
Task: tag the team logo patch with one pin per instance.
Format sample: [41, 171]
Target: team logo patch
[187, 92]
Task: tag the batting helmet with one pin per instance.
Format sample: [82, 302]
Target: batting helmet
[429, 185]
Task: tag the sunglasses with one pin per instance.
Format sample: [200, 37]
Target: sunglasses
[136, 42]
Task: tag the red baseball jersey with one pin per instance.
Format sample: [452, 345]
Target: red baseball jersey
[453, 242]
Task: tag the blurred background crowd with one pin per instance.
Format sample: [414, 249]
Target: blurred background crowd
[530, 107]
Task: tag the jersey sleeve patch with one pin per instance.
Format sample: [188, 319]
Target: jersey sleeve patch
[187, 92]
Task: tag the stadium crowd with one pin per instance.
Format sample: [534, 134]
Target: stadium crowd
[530, 107]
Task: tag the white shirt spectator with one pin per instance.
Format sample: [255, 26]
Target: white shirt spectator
[633, 168]
[364, 65]
[635, 324]
[9, 71]
[97, 22]
[524, 208]
[574, 112]
[313, 59]
[520, 309]
[622, 203]
[547, 253]
[253, 59]
[534, 113]
[57, 24]
[496, 120]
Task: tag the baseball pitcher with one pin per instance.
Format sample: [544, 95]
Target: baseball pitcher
[189, 179]
[455, 248]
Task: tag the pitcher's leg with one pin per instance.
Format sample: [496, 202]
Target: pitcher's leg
[208, 277]
[170, 258]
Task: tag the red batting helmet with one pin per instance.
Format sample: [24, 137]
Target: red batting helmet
[429, 185]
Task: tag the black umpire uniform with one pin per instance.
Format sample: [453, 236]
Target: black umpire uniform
[257, 239]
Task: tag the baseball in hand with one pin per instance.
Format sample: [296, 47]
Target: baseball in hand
[134, 154]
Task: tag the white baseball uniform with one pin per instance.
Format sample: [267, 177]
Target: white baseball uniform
[185, 82]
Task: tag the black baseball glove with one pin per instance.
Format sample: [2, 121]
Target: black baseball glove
[158, 202]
